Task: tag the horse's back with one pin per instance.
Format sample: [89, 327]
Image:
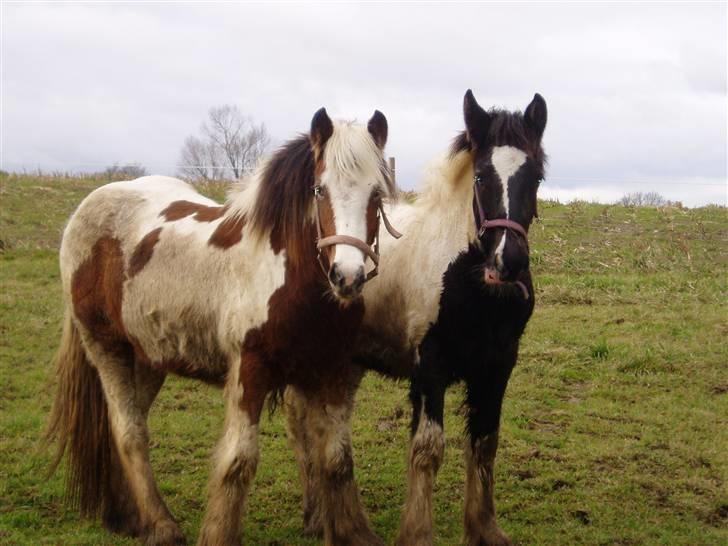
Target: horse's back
[122, 211]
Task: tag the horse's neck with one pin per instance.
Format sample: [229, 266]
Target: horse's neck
[437, 227]
[442, 221]
[241, 197]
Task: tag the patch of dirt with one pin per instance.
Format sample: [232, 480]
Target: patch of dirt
[718, 517]
[385, 425]
[392, 422]
[582, 516]
[525, 474]
[656, 493]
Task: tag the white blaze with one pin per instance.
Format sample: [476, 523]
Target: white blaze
[349, 202]
[353, 171]
[506, 161]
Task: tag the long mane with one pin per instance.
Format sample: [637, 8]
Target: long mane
[280, 203]
[285, 190]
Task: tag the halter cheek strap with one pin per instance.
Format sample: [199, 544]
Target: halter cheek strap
[332, 240]
[485, 224]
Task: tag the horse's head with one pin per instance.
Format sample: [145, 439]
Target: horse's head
[508, 165]
[351, 179]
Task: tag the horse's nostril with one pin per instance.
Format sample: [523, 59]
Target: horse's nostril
[335, 275]
[359, 280]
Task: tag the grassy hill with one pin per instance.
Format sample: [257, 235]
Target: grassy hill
[615, 423]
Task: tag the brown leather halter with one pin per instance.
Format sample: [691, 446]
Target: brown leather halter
[505, 223]
[373, 252]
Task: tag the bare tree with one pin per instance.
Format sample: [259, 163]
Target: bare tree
[639, 199]
[229, 146]
[124, 172]
[199, 161]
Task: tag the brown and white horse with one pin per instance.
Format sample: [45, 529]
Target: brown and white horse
[453, 310]
[159, 279]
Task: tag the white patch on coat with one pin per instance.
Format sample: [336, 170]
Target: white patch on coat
[506, 161]
[436, 228]
[192, 301]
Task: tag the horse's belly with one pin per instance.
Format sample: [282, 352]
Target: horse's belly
[182, 343]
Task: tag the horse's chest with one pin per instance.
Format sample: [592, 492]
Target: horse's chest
[306, 340]
[477, 327]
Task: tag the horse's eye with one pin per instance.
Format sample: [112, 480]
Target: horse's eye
[318, 192]
[478, 179]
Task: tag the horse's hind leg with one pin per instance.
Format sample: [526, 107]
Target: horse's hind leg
[129, 430]
[121, 514]
[297, 425]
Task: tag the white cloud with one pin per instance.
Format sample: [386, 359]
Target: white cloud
[635, 92]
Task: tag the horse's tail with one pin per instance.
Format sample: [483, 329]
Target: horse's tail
[79, 424]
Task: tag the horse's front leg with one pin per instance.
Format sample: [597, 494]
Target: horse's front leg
[484, 401]
[299, 431]
[427, 448]
[481, 528]
[237, 453]
[344, 520]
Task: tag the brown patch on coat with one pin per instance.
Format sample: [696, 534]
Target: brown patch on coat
[308, 337]
[328, 227]
[143, 252]
[319, 168]
[203, 213]
[228, 233]
[375, 201]
[96, 294]
[257, 382]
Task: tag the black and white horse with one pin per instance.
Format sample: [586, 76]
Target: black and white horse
[450, 306]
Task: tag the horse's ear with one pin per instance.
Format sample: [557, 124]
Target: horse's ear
[477, 120]
[535, 116]
[377, 127]
[321, 130]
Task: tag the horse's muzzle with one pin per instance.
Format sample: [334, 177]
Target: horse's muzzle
[346, 285]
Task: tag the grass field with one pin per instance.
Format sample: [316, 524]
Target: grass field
[615, 424]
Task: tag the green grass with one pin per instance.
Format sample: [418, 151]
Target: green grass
[615, 428]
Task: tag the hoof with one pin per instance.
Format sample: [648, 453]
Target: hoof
[313, 525]
[165, 533]
[413, 541]
[414, 536]
[127, 525]
[491, 536]
[313, 531]
[361, 538]
[369, 540]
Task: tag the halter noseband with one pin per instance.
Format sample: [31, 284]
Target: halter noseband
[505, 223]
[373, 252]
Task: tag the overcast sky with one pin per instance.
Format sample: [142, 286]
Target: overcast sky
[636, 93]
